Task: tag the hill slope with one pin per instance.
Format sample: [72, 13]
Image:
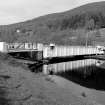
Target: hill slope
[69, 27]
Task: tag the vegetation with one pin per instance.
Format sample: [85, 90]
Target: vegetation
[71, 27]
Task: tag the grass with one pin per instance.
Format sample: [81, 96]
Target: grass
[48, 78]
[19, 86]
[83, 94]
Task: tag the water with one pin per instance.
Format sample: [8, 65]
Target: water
[86, 72]
[83, 78]
[84, 67]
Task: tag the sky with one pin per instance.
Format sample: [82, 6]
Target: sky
[13, 11]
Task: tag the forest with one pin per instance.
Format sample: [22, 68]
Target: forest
[72, 27]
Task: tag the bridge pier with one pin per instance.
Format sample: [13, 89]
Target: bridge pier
[30, 55]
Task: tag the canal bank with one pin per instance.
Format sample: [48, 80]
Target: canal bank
[83, 78]
[23, 87]
[93, 96]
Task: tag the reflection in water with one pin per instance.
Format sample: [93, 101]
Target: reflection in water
[81, 66]
[86, 72]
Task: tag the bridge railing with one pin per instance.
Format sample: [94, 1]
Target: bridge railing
[50, 51]
[60, 51]
[17, 47]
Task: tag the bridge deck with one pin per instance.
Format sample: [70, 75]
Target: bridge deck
[49, 51]
[21, 50]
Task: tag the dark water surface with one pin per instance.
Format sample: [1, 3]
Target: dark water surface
[84, 78]
[87, 72]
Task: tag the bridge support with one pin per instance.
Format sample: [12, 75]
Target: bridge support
[30, 55]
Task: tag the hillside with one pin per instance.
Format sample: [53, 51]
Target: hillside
[70, 27]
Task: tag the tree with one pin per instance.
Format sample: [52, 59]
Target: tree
[90, 24]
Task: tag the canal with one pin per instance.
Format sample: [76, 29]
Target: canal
[86, 72]
[89, 73]
[84, 78]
